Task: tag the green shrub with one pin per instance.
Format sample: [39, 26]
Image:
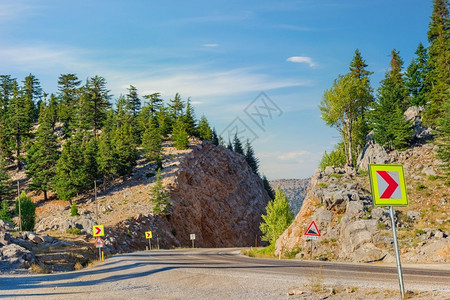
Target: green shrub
[74, 231]
[74, 210]
[336, 175]
[420, 187]
[322, 185]
[336, 158]
[28, 211]
[5, 214]
[291, 254]
[150, 175]
[433, 177]
[381, 226]
[419, 231]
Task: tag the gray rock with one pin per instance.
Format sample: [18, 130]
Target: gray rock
[5, 238]
[413, 215]
[34, 238]
[16, 254]
[429, 171]
[372, 154]
[379, 213]
[439, 235]
[329, 170]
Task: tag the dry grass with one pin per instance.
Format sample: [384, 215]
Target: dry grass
[40, 269]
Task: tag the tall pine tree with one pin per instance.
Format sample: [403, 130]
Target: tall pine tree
[438, 77]
[416, 74]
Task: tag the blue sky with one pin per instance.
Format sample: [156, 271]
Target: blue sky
[221, 54]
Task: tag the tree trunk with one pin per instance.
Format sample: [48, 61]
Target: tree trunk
[45, 196]
[349, 137]
[19, 166]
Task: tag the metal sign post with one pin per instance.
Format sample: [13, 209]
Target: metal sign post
[397, 254]
[389, 189]
[310, 256]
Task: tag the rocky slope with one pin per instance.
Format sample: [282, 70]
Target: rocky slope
[295, 190]
[213, 191]
[339, 201]
[352, 229]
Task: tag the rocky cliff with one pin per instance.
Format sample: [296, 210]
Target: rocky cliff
[295, 190]
[352, 229]
[218, 197]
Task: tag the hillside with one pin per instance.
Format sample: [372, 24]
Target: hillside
[295, 190]
[213, 191]
[352, 229]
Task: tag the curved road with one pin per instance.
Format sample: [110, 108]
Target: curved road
[211, 274]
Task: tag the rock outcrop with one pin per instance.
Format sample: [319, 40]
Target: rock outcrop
[217, 197]
[295, 190]
[339, 201]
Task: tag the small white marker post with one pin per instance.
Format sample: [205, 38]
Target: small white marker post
[192, 236]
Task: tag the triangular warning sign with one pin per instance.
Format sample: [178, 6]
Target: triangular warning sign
[99, 242]
[312, 230]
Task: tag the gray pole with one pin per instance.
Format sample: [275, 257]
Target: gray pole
[157, 240]
[193, 244]
[397, 254]
[310, 256]
[95, 199]
[99, 253]
[20, 209]
[150, 244]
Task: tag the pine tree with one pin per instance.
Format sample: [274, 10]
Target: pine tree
[68, 87]
[214, 137]
[93, 104]
[42, 157]
[32, 93]
[5, 214]
[150, 110]
[189, 119]
[159, 196]
[391, 129]
[151, 142]
[20, 120]
[268, 188]
[5, 181]
[230, 146]
[237, 145]
[277, 218]
[125, 151]
[28, 211]
[176, 107]
[438, 77]
[106, 161]
[164, 122]
[69, 179]
[443, 141]
[180, 135]
[252, 161]
[74, 210]
[6, 87]
[416, 74]
[204, 131]
[133, 101]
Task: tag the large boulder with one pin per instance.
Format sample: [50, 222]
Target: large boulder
[372, 154]
[18, 255]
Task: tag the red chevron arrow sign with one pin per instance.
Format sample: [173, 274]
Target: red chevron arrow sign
[98, 230]
[148, 235]
[388, 185]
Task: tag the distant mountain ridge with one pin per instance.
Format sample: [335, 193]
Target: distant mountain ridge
[295, 190]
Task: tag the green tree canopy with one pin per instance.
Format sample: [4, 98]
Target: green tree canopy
[278, 217]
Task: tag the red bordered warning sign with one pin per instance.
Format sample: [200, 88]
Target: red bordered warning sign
[99, 242]
[312, 231]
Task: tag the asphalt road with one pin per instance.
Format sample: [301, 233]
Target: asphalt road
[210, 274]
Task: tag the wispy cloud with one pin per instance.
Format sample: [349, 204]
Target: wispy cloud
[287, 157]
[295, 28]
[201, 82]
[302, 59]
[210, 45]
[14, 10]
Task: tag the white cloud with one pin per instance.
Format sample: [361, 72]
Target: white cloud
[211, 45]
[302, 59]
[14, 10]
[205, 83]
